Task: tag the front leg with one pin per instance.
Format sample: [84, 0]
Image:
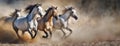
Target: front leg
[16, 30]
[64, 34]
[31, 33]
[30, 28]
[69, 30]
[35, 28]
[36, 31]
[45, 34]
[50, 32]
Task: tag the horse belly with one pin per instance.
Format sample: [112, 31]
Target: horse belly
[21, 25]
[41, 25]
[57, 24]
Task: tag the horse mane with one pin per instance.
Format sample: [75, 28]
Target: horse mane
[66, 9]
[47, 11]
[30, 7]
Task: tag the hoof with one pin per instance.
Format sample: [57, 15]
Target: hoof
[44, 36]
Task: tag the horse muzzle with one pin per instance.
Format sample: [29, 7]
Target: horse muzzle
[75, 17]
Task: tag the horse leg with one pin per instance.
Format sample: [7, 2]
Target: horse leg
[35, 30]
[50, 32]
[23, 32]
[46, 34]
[69, 30]
[30, 33]
[16, 30]
[63, 32]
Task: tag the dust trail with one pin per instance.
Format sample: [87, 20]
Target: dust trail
[98, 19]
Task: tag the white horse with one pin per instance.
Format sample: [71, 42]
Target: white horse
[11, 17]
[62, 22]
[29, 22]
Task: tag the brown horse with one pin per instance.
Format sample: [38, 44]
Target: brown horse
[46, 23]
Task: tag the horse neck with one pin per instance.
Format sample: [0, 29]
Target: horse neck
[15, 17]
[41, 11]
[31, 15]
[48, 16]
[66, 15]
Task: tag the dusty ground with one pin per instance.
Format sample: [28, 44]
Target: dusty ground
[98, 24]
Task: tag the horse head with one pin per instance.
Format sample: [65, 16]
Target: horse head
[16, 13]
[39, 9]
[55, 12]
[72, 12]
[52, 11]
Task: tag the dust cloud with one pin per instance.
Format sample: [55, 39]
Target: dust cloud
[97, 19]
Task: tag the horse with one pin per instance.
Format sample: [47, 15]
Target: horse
[62, 21]
[46, 22]
[11, 17]
[29, 22]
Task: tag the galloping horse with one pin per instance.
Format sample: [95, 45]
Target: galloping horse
[62, 21]
[29, 22]
[11, 17]
[45, 23]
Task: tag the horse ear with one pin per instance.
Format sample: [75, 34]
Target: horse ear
[55, 7]
[16, 9]
[40, 4]
[45, 10]
[72, 7]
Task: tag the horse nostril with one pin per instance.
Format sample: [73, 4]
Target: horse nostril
[75, 17]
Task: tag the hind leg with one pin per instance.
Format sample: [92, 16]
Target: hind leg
[16, 30]
[69, 33]
[63, 32]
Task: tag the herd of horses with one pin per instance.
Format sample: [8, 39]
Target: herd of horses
[48, 21]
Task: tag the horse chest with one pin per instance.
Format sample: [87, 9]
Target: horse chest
[48, 25]
[32, 24]
[41, 25]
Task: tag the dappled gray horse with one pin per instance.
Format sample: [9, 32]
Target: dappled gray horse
[11, 17]
[62, 22]
[29, 22]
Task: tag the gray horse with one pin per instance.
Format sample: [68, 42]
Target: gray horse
[62, 21]
[29, 22]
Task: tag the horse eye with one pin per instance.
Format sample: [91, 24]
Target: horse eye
[71, 12]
